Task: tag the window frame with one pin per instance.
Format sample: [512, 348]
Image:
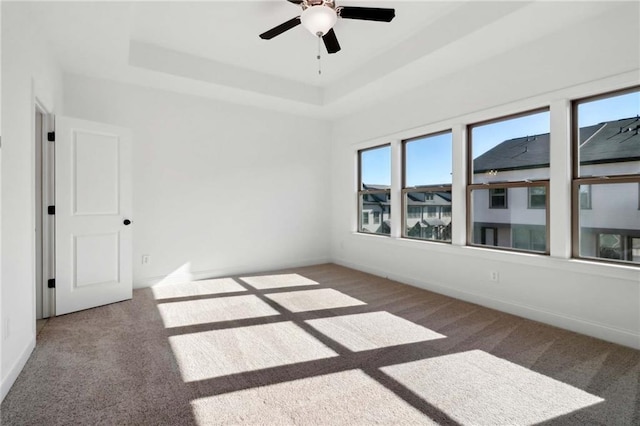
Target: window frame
[530, 204]
[427, 189]
[588, 204]
[493, 194]
[362, 192]
[577, 180]
[414, 214]
[376, 218]
[524, 183]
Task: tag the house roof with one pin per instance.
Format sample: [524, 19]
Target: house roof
[372, 186]
[609, 141]
[613, 140]
[417, 198]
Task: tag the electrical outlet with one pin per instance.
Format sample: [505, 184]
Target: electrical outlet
[146, 259]
[494, 276]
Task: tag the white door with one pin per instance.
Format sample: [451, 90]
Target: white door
[93, 207]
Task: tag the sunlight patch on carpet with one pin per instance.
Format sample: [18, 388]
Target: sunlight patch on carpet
[475, 387]
[349, 397]
[218, 353]
[196, 288]
[203, 311]
[264, 282]
[313, 300]
[372, 330]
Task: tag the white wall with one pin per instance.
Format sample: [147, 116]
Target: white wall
[217, 188]
[28, 72]
[594, 299]
[2, 393]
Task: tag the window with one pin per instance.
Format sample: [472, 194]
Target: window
[585, 197]
[537, 197]
[374, 183]
[414, 212]
[606, 175]
[611, 246]
[619, 247]
[498, 198]
[426, 193]
[635, 249]
[508, 181]
[529, 238]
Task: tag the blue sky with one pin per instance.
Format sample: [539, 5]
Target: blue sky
[429, 158]
[624, 106]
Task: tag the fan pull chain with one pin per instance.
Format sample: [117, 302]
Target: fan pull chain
[319, 51]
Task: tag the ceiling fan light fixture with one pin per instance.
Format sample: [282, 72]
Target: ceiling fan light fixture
[319, 19]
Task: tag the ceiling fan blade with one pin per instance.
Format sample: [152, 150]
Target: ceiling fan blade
[331, 42]
[285, 26]
[367, 13]
[295, 1]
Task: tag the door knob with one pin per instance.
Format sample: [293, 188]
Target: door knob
[127, 222]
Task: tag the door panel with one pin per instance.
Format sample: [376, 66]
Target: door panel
[95, 173]
[88, 248]
[93, 198]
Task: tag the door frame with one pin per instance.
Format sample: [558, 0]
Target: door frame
[47, 198]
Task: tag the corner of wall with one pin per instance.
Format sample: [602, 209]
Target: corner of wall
[16, 368]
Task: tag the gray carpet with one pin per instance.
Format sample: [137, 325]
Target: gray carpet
[316, 345]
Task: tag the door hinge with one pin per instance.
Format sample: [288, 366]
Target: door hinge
[51, 210]
[51, 283]
[51, 136]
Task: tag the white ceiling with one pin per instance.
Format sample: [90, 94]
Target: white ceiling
[212, 48]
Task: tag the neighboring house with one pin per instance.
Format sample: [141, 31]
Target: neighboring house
[376, 210]
[516, 217]
[609, 214]
[429, 215]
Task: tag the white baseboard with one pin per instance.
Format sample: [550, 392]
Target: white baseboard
[15, 370]
[578, 325]
[234, 270]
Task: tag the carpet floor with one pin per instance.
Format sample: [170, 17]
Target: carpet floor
[316, 345]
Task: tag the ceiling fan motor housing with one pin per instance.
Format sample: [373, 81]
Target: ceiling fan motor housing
[319, 19]
[310, 3]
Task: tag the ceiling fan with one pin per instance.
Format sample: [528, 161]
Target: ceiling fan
[319, 17]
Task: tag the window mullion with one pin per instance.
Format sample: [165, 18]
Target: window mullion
[396, 188]
[560, 194]
[458, 186]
